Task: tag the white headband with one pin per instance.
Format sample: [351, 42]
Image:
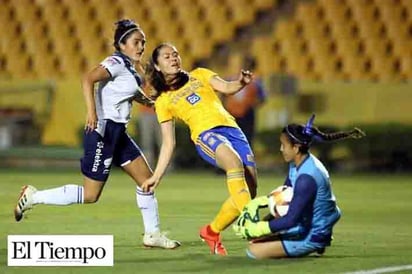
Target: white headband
[126, 32]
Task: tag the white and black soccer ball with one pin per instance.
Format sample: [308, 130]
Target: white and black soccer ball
[279, 200]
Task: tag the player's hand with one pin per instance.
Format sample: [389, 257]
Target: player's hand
[252, 230]
[150, 184]
[143, 99]
[252, 208]
[91, 121]
[250, 213]
[245, 77]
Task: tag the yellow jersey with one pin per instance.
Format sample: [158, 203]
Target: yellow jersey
[196, 104]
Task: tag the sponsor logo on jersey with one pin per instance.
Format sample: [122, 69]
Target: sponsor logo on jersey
[193, 98]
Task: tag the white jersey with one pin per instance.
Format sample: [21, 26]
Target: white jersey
[114, 96]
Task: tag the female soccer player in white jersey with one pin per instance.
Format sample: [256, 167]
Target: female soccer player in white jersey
[105, 137]
[307, 226]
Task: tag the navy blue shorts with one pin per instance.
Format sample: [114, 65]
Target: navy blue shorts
[115, 146]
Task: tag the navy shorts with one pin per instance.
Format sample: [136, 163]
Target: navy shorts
[209, 140]
[101, 150]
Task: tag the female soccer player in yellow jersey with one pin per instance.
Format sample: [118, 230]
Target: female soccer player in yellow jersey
[191, 97]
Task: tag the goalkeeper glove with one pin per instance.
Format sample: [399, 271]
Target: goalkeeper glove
[252, 208]
[240, 222]
[253, 230]
[250, 213]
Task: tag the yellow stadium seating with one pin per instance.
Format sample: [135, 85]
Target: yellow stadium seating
[321, 38]
[382, 68]
[266, 54]
[325, 67]
[80, 28]
[376, 47]
[406, 67]
[264, 4]
[240, 14]
[354, 68]
[402, 49]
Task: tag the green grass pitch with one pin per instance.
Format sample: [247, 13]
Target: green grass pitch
[375, 230]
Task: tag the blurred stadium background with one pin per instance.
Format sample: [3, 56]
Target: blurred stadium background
[349, 61]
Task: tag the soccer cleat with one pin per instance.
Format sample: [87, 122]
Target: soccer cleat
[158, 239]
[320, 252]
[213, 241]
[25, 201]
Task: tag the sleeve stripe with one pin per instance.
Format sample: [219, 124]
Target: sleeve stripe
[108, 71]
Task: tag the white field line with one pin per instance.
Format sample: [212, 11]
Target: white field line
[391, 269]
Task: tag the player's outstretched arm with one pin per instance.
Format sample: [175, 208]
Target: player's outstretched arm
[166, 152]
[231, 87]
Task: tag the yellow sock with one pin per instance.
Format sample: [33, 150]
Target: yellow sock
[238, 188]
[227, 214]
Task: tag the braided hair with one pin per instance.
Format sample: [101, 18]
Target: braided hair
[124, 28]
[306, 134]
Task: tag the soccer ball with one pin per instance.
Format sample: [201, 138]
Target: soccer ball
[279, 200]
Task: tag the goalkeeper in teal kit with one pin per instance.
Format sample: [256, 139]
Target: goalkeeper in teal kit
[307, 227]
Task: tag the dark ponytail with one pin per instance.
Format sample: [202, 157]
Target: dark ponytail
[355, 133]
[306, 134]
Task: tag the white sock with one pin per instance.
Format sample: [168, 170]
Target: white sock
[64, 195]
[147, 203]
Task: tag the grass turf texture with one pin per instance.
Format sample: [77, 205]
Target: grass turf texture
[375, 230]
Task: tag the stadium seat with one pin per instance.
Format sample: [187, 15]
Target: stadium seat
[345, 47]
[334, 10]
[371, 30]
[376, 47]
[398, 31]
[286, 29]
[240, 15]
[325, 67]
[267, 58]
[319, 47]
[383, 69]
[406, 67]
[186, 12]
[408, 5]
[402, 49]
[264, 4]
[355, 67]
[19, 66]
[307, 12]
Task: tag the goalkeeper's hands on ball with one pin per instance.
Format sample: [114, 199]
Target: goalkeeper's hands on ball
[248, 224]
[252, 230]
[252, 208]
